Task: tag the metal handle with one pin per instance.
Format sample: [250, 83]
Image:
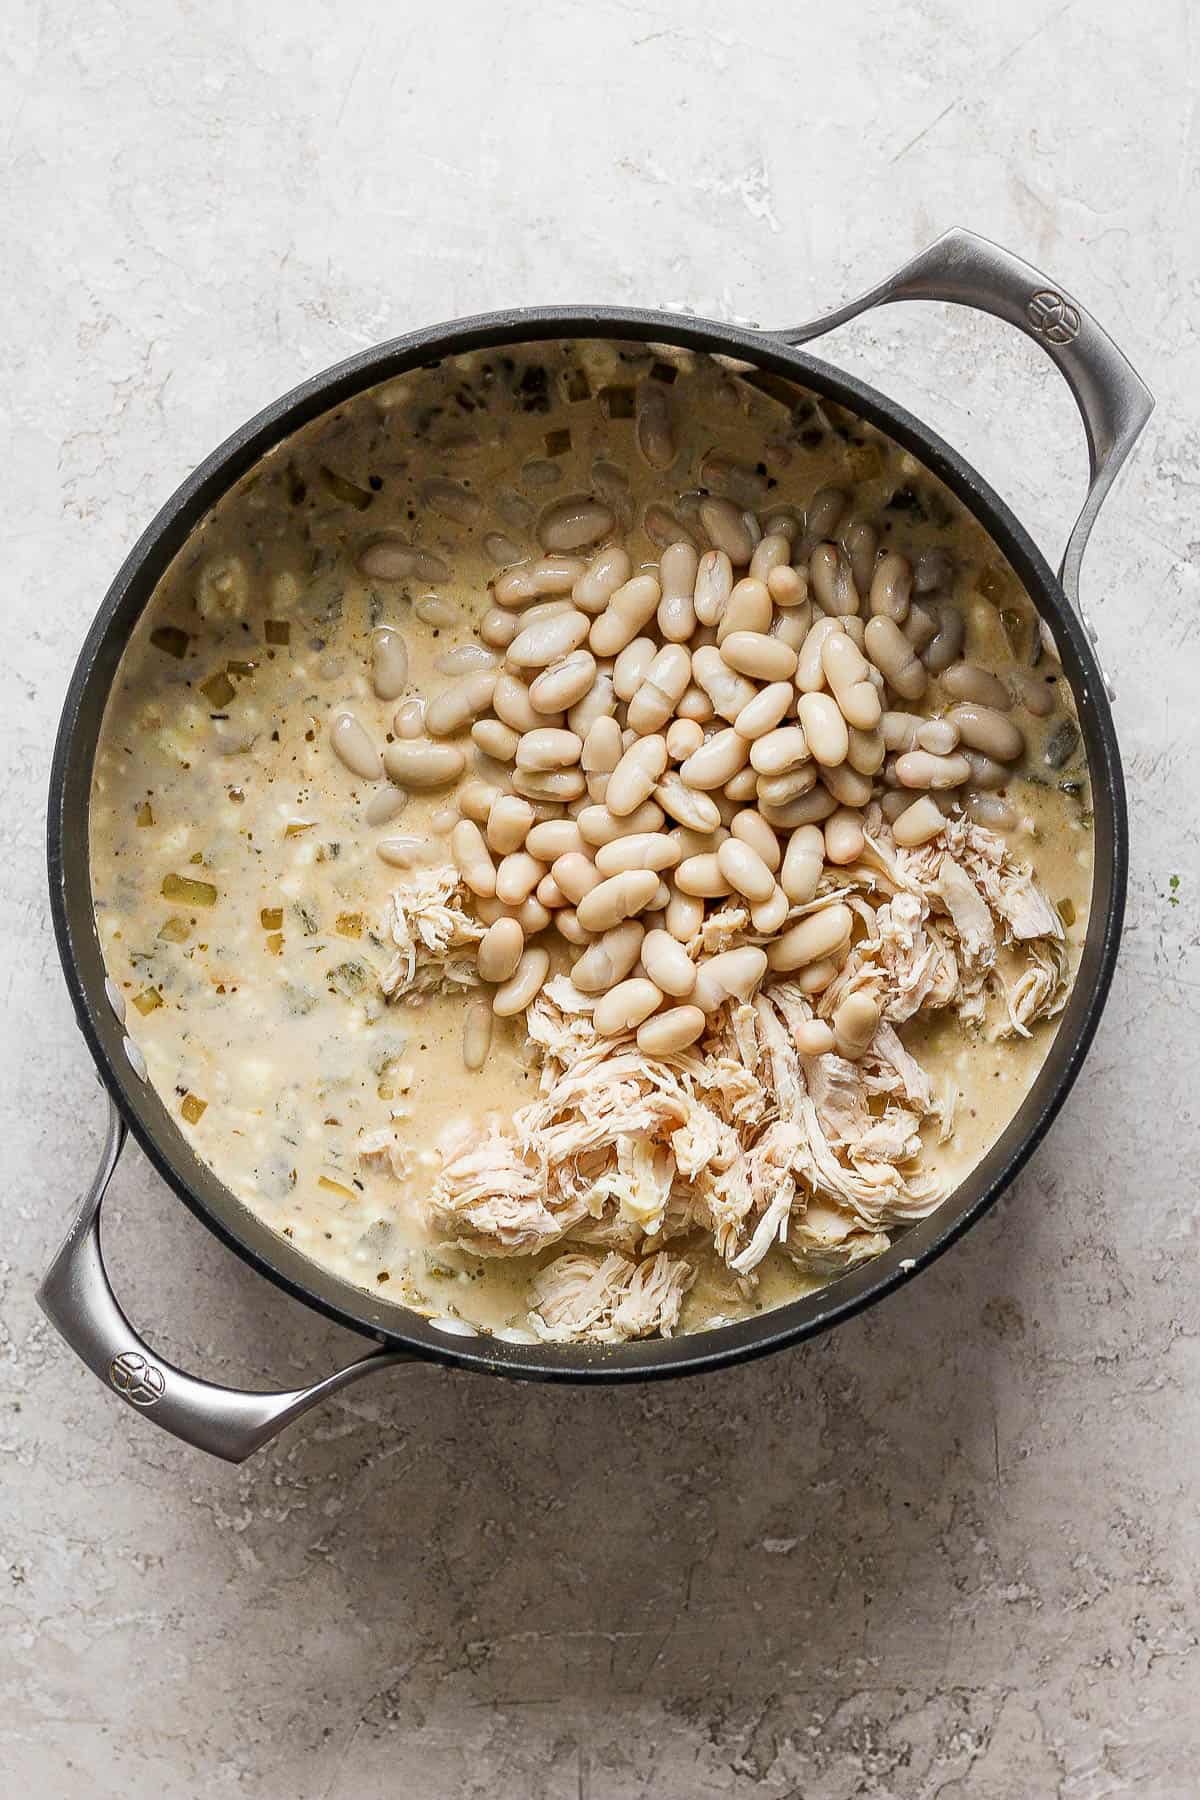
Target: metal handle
[79, 1302]
[1113, 401]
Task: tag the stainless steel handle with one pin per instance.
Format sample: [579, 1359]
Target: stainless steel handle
[78, 1300]
[1113, 401]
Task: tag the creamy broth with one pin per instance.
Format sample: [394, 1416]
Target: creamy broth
[237, 883]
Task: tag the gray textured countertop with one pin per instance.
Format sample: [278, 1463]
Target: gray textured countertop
[950, 1550]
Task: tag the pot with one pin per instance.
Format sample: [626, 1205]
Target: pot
[76, 1295]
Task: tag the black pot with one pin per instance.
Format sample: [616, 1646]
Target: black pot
[76, 1295]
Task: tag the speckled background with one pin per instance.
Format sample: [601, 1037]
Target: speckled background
[951, 1551]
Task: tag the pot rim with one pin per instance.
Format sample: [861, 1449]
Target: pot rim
[266, 1250]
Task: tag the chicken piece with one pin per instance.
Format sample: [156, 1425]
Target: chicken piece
[608, 1300]
[425, 921]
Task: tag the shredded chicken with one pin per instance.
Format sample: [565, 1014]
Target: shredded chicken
[739, 1139]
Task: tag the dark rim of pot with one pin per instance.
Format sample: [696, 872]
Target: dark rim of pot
[261, 1246]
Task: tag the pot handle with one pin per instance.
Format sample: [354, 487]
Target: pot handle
[78, 1300]
[1114, 403]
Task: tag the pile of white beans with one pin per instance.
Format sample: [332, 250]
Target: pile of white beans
[647, 741]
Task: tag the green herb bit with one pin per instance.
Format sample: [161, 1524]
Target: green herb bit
[171, 640]
[148, 1001]
[191, 893]
[345, 491]
[277, 631]
[218, 689]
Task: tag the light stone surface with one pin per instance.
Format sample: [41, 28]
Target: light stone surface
[952, 1549]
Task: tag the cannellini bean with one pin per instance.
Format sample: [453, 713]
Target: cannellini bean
[664, 529]
[500, 950]
[727, 529]
[576, 874]
[891, 588]
[939, 735]
[812, 1037]
[741, 787]
[815, 977]
[773, 551]
[468, 659]
[608, 570]
[920, 769]
[385, 803]
[671, 1031]
[511, 704]
[600, 702]
[640, 850]
[389, 663]
[617, 898]
[475, 800]
[389, 558]
[625, 1006]
[777, 790]
[757, 654]
[501, 548]
[533, 580]
[601, 750]
[652, 429]
[727, 690]
[860, 541]
[477, 1032]
[783, 521]
[745, 870]
[409, 720]
[676, 610]
[777, 752]
[824, 729]
[498, 628]
[532, 916]
[460, 704]
[609, 960]
[408, 851]
[1036, 692]
[436, 611]
[855, 1023]
[549, 747]
[847, 786]
[825, 513]
[548, 640]
[420, 763]
[920, 626]
[768, 915]
[471, 859]
[764, 712]
[866, 751]
[495, 739]
[991, 811]
[668, 964]
[806, 809]
[967, 681]
[822, 934]
[552, 839]
[684, 915]
[549, 894]
[918, 823]
[563, 682]
[661, 689]
[810, 665]
[984, 729]
[632, 606]
[895, 658]
[846, 671]
[508, 824]
[749, 609]
[945, 646]
[788, 587]
[574, 523]
[752, 829]
[517, 876]
[934, 570]
[524, 985]
[718, 758]
[600, 826]
[714, 585]
[689, 805]
[451, 500]
[684, 736]
[900, 730]
[986, 772]
[558, 785]
[731, 975]
[629, 670]
[568, 927]
[701, 875]
[845, 839]
[353, 748]
[695, 706]
[636, 775]
[831, 580]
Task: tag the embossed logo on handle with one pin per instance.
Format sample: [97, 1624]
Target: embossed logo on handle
[1052, 317]
[142, 1382]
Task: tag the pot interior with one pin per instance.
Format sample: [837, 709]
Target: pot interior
[798, 381]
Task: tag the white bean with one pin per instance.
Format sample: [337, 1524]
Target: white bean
[893, 655]
[385, 803]
[688, 805]
[574, 523]
[524, 985]
[475, 800]
[727, 529]
[549, 747]
[517, 876]
[600, 826]
[608, 570]
[460, 704]
[508, 824]
[745, 870]
[495, 739]
[671, 1031]
[727, 691]
[477, 1032]
[408, 851]
[684, 736]
[731, 975]
[471, 859]
[845, 839]
[353, 748]
[668, 964]
[389, 663]
[533, 580]
[548, 640]
[500, 950]
[609, 959]
[939, 735]
[498, 628]
[601, 747]
[752, 829]
[684, 915]
[860, 541]
[891, 588]
[660, 689]
[640, 850]
[806, 809]
[831, 580]
[652, 429]
[553, 838]
[714, 584]
[556, 785]
[855, 1023]
[824, 729]
[625, 1006]
[636, 775]
[778, 751]
[846, 670]
[768, 707]
[420, 763]
[436, 611]
[676, 610]
[756, 653]
[822, 934]
[810, 667]
[985, 729]
[918, 823]
[777, 790]
[741, 787]
[616, 899]
[632, 606]
[718, 758]
[920, 769]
